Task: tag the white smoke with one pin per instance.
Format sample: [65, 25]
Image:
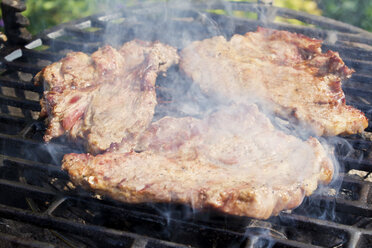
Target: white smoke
[170, 22]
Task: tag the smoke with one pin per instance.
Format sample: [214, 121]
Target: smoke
[163, 21]
[189, 100]
[178, 23]
[258, 140]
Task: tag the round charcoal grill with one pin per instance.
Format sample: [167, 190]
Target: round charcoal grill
[39, 207]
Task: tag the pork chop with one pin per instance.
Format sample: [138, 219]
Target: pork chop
[284, 72]
[234, 161]
[105, 97]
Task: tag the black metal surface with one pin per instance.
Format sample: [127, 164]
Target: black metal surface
[15, 22]
[35, 192]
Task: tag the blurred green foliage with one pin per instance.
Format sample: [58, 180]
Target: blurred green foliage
[308, 6]
[44, 14]
[356, 12]
[48, 13]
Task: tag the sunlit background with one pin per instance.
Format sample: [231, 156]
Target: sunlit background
[44, 14]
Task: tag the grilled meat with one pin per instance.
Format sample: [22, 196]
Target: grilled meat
[104, 97]
[234, 161]
[285, 72]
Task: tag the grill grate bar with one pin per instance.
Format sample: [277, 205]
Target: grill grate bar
[301, 16]
[8, 82]
[14, 241]
[361, 78]
[361, 66]
[94, 232]
[357, 92]
[23, 67]
[354, 240]
[347, 179]
[342, 205]
[349, 52]
[51, 170]
[84, 35]
[20, 103]
[87, 229]
[359, 143]
[16, 146]
[58, 44]
[321, 21]
[41, 54]
[31, 190]
[26, 189]
[245, 25]
[322, 223]
[350, 163]
[363, 193]
[6, 118]
[256, 241]
[139, 243]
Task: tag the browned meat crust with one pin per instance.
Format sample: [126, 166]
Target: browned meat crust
[254, 170]
[104, 97]
[287, 72]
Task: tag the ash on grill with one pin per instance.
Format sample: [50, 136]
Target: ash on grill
[39, 207]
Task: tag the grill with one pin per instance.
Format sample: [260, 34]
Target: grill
[39, 207]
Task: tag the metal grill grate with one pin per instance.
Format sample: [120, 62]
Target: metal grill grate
[34, 191]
